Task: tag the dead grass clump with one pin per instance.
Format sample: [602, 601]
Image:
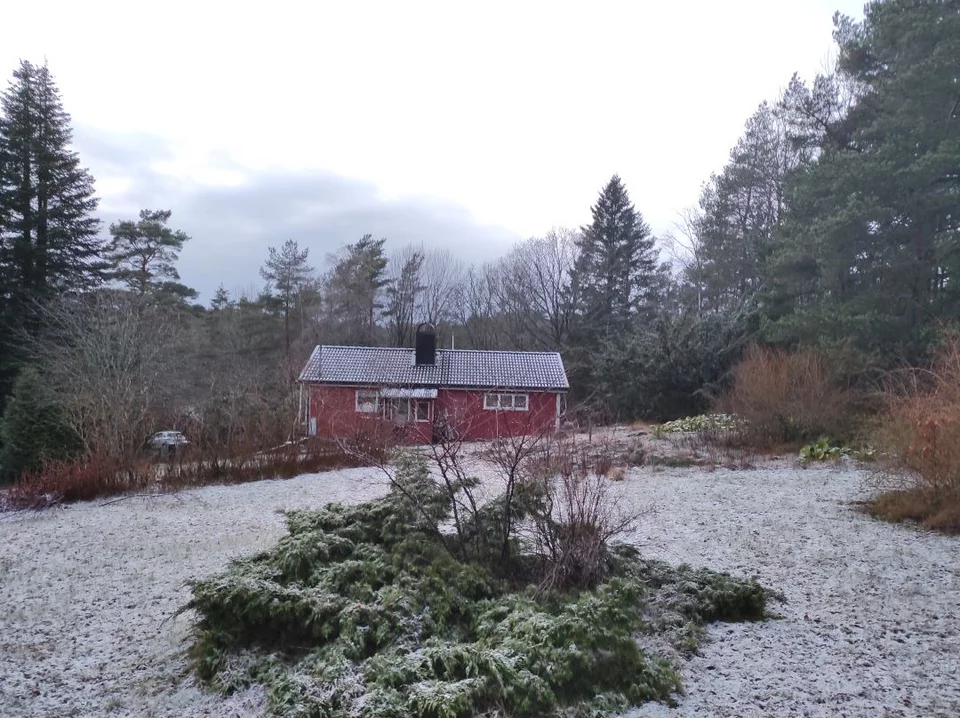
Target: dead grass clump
[918, 438]
[917, 505]
[790, 397]
[617, 473]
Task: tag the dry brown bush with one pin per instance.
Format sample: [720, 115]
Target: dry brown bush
[92, 477]
[919, 440]
[577, 513]
[82, 479]
[790, 397]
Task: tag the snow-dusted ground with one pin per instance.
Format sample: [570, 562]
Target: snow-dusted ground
[870, 627]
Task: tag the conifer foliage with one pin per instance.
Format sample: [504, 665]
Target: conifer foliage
[144, 255]
[33, 428]
[47, 203]
[48, 231]
[363, 611]
[616, 275]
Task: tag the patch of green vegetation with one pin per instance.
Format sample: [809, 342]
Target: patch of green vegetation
[701, 422]
[366, 611]
[824, 449]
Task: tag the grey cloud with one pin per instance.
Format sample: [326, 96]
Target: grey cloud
[231, 227]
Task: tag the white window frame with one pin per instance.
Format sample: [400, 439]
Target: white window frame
[505, 401]
[415, 410]
[367, 392]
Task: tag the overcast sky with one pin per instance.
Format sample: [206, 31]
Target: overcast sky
[462, 125]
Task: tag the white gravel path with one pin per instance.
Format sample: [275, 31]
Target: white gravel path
[870, 627]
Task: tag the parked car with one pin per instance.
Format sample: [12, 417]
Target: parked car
[167, 441]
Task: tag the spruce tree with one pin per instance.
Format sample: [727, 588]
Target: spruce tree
[616, 276]
[33, 428]
[48, 235]
[616, 284]
[48, 231]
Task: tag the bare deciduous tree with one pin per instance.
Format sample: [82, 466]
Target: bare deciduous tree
[440, 275]
[535, 289]
[576, 512]
[477, 307]
[405, 277]
[114, 364]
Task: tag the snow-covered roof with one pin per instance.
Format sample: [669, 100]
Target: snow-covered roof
[394, 366]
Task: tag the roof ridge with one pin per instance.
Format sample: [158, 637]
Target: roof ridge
[358, 346]
[439, 349]
[500, 351]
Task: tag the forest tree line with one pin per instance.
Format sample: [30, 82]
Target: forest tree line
[834, 222]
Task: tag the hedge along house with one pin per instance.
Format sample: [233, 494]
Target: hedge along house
[422, 391]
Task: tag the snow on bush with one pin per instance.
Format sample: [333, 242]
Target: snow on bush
[366, 611]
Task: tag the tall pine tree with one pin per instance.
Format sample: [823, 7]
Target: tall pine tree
[740, 210]
[144, 256]
[870, 249]
[354, 289]
[288, 273]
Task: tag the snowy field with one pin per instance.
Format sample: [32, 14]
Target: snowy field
[870, 629]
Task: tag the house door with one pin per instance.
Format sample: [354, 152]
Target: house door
[397, 411]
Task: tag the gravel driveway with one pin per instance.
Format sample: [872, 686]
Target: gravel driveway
[870, 628]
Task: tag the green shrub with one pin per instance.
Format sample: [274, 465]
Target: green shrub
[823, 449]
[701, 422]
[33, 428]
[365, 611]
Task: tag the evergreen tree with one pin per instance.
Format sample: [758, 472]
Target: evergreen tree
[48, 231]
[144, 255]
[616, 276]
[617, 284]
[47, 204]
[740, 210]
[221, 299]
[33, 428]
[355, 288]
[288, 273]
[870, 245]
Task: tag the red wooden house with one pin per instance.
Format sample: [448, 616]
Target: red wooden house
[477, 394]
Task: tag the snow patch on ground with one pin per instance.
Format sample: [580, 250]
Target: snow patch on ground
[872, 609]
[88, 593]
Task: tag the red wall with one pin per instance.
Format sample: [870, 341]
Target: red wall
[334, 407]
[465, 410]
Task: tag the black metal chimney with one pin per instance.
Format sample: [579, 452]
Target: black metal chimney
[426, 351]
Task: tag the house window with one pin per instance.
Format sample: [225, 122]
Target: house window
[506, 402]
[367, 401]
[422, 410]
